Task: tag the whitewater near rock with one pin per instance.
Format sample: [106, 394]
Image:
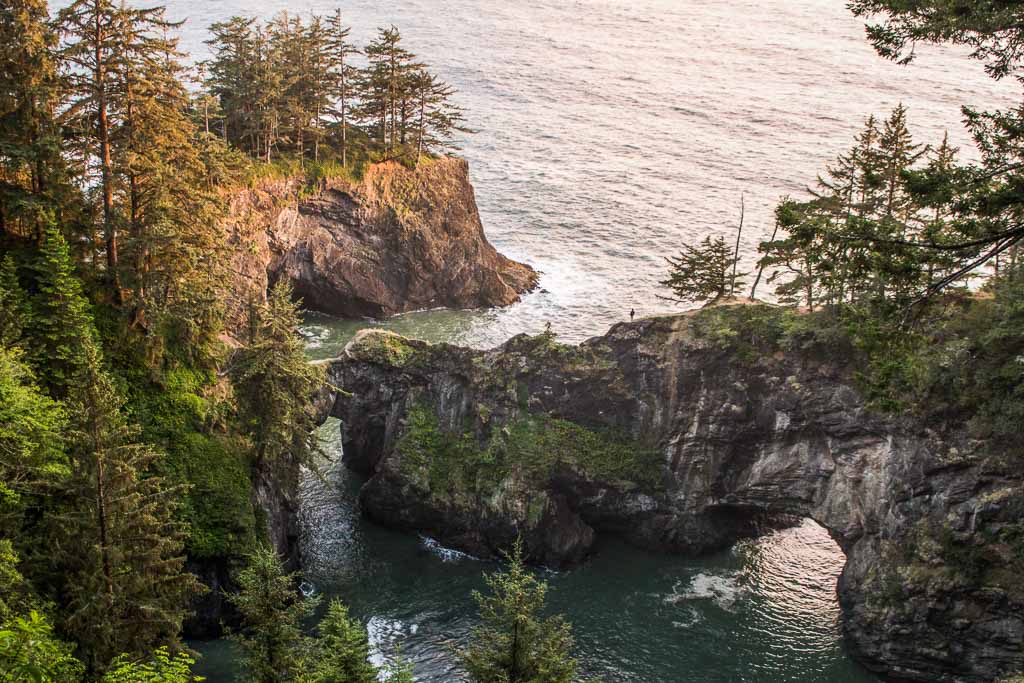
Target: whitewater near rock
[683, 434]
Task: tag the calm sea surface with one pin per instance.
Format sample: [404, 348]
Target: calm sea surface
[611, 132]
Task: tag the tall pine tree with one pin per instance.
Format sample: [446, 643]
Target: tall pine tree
[88, 54]
[703, 272]
[61, 322]
[30, 161]
[275, 386]
[120, 547]
[273, 645]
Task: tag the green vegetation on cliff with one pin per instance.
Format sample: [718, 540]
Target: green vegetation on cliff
[531, 446]
[958, 363]
[384, 348]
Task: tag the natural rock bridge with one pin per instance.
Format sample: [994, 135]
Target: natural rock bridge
[683, 434]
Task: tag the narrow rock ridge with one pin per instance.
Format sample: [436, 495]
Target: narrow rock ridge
[398, 240]
[682, 434]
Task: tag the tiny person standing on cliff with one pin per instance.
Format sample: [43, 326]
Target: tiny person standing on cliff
[632, 312]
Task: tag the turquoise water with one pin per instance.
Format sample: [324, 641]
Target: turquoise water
[763, 611]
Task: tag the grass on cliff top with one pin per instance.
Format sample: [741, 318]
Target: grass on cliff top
[569, 357]
[536, 446]
[311, 172]
[754, 331]
[960, 362]
[315, 173]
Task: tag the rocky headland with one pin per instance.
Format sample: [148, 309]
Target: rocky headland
[682, 434]
[393, 241]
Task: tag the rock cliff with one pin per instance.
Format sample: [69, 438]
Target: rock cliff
[395, 241]
[684, 433]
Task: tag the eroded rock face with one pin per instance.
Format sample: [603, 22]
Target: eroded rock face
[398, 240]
[682, 434]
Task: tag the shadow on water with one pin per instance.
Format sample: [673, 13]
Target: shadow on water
[764, 610]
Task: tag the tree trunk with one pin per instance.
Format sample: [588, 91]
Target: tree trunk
[419, 137]
[103, 125]
[514, 674]
[736, 254]
[760, 269]
[102, 521]
[810, 287]
[133, 194]
[344, 112]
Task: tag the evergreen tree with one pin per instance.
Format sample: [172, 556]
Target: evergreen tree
[32, 458]
[275, 385]
[515, 644]
[205, 107]
[869, 167]
[900, 154]
[992, 30]
[88, 54]
[287, 84]
[436, 117]
[342, 79]
[30, 161]
[295, 61]
[120, 547]
[61, 323]
[175, 245]
[799, 254]
[984, 220]
[272, 610]
[162, 667]
[341, 651]
[703, 272]
[386, 92]
[931, 187]
[267, 88]
[230, 78]
[319, 81]
[859, 239]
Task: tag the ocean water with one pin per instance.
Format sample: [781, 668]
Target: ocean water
[610, 133]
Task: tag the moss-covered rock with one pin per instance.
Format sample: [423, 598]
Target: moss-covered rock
[384, 348]
[534, 447]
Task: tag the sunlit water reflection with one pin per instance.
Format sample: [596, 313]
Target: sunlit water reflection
[765, 610]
